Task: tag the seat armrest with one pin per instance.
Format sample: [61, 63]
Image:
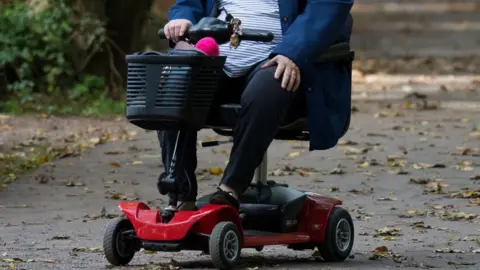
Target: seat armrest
[336, 53]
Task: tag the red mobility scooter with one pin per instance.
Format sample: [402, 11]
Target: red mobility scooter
[174, 91]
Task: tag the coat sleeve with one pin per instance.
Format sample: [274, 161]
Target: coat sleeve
[191, 10]
[314, 30]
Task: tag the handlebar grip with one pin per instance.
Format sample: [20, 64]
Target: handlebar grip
[256, 35]
[161, 34]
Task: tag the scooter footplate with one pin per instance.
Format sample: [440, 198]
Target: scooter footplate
[258, 233]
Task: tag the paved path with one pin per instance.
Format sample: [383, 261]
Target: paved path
[53, 213]
[51, 218]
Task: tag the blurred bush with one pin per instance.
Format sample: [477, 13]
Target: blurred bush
[36, 52]
[65, 56]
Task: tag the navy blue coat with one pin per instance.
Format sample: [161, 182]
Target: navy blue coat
[307, 34]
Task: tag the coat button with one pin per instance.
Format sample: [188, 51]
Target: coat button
[285, 19]
[309, 89]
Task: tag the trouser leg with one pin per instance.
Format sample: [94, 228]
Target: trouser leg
[186, 162]
[264, 106]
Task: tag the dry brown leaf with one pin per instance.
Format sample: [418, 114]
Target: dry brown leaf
[386, 199]
[466, 194]
[380, 249]
[349, 150]
[420, 181]
[464, 168]
[388, 231]
[337, 171]
[475, 201]
[389, 114]
[448, 250]
[435, 187]
[420, 166]
[74, 184]
[114, 164]
[451, 216]
[398, 172]
[86, 249]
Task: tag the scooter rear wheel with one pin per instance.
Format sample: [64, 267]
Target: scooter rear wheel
[118, 250]
[225, 245]
[339, 236]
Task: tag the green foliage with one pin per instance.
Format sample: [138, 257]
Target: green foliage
[38, 48]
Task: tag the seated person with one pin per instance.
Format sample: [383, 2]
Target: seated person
[270, 76]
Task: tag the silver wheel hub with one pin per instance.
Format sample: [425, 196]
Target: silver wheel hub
[231, 246]
[343, 234]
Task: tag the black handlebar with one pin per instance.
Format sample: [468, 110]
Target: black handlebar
[221, 32]
[247, 34]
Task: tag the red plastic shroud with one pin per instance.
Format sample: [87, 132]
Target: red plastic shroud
[148, 226]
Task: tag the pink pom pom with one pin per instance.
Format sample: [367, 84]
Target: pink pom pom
[208, 46]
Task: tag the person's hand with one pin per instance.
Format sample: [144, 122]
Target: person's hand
[291, 73]
[175, 29]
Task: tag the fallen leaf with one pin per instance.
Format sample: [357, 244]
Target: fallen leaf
[118, 196]
[380, 249]
[475, 177]
[61, 237]
[464, 168]
[364, 165]
[294, 154]
[363, 192]
[475, 201]
[457, 216]
[114, 164]
[386, 199]
[137, 162]
[420, 166]
[420, 181]
[475, 133]
[215, 171]
[334, 189]
[448, 250]
[399, 172]
[466, 194]
[348, 150]
[389, 114]
[388, 231]
[74, 184]
[435, 187]
[337, 171]
[415, 212]
[86, 249]
[111, 153]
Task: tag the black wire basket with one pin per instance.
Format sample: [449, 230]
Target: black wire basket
[173, 91]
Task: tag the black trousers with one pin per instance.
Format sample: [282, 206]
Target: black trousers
[264, 106]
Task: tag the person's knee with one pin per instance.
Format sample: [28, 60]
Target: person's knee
[264, 91]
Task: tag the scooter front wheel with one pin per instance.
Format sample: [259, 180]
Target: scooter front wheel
[339, 236]
[225, 245]
[119, 250]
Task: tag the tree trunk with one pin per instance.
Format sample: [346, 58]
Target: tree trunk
[124, 24]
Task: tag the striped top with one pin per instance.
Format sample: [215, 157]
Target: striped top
[254, 14]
